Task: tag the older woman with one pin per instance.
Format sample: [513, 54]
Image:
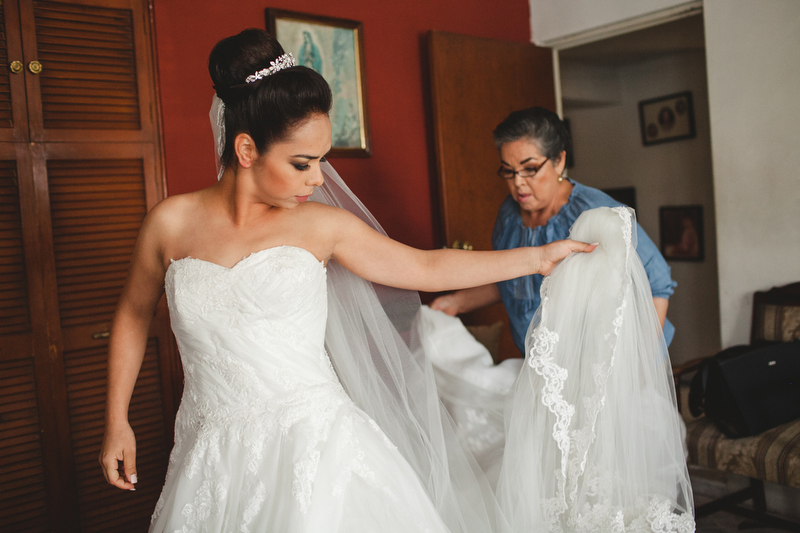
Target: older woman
[540, 209]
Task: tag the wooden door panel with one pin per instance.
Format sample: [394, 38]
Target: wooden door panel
[92, 263]
[23, 497]
[13, 109]
[14, 309]
[30, 435]
[70, 210]
[475, 84]
[101, 506]
[6, 118]
[96, 79]
[98, 196]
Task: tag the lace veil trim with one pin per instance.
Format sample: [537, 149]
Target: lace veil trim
[582, 492]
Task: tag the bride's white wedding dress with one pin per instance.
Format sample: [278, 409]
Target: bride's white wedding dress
[266, 438]
[309, 402]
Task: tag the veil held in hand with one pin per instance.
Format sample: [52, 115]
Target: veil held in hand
[593, 436]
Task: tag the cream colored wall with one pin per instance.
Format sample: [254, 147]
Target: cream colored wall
[552, 20]
[753, 55]
[609, 153]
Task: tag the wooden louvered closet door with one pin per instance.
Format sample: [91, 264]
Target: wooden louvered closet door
[80, 168]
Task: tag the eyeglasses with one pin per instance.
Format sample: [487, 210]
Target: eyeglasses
[527, 172]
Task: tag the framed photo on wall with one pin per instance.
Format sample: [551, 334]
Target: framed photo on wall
[334, 48]
[667, 118]
[625, 195]
[681, 232]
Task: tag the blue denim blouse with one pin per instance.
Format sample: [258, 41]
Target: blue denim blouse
[521, 295]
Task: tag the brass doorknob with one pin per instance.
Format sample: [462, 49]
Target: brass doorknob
[16, 67]
[35, 67]
[461, 245]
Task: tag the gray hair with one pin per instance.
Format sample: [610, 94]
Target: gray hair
[538, 125]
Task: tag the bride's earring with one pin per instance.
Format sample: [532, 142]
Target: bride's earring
[560, 179]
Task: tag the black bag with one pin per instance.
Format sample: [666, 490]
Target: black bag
[748, 389]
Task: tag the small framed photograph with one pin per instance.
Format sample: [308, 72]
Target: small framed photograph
[681, 231]
[334, 48]
[668, 118]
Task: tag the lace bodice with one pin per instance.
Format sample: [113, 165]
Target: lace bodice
[251, 339]
[274, 299]
[266, 438]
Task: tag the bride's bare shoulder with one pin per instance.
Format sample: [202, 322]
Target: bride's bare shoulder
[326, 213]
[329, 220]
[171, 219]
[175, 211]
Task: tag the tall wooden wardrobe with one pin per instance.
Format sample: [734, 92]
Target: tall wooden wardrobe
[80, 165]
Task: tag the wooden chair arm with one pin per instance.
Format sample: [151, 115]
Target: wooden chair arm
[684, 368]
[688, 366]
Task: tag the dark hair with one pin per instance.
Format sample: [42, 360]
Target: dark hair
[267, 109]
[538, 125]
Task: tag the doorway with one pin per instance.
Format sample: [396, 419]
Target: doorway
[602, 84]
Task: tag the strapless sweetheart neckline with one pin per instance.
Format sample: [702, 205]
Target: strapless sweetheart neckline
[245, 258]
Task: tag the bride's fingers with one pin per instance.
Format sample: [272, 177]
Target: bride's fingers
[577, 246]
[557, 251]
[562, 249]
[110, 464]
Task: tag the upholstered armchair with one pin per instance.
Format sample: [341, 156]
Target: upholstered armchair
[772, 456]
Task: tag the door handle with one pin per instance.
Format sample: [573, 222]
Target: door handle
[461, 245]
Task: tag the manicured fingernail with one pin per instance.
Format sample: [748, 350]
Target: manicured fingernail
[595, 244]
[132, 490]
[134, 479]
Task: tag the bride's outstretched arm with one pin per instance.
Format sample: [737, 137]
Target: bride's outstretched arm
[378, 258]
[126, 348]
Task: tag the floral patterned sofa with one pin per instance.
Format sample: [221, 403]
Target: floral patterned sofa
[772, 456]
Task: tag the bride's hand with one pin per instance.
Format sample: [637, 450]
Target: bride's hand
[554, 252]
[119, 444]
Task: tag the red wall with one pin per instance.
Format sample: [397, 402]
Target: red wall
[397, 182]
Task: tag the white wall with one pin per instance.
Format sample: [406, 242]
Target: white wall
[609, 153]
[753, 56]
[552, 20]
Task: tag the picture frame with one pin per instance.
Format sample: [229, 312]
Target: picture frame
[681, 232]
[624, 195]
[570, 148]
[667, 118]
[335, 48]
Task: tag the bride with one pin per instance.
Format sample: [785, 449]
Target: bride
[308, 405]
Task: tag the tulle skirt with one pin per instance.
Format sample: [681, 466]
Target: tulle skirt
[332, 470]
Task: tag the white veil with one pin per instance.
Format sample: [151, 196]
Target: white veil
[378, 356]
[593, 440]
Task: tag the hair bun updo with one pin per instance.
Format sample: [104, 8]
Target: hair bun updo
[538, 125]
[267, 109]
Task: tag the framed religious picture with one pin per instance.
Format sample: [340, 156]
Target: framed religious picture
[667, 118]
[334, 48]
[681, 232]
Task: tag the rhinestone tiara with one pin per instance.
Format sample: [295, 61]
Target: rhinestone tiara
[282, 62]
